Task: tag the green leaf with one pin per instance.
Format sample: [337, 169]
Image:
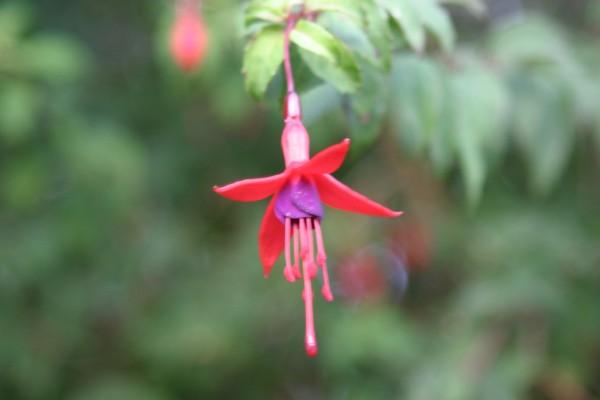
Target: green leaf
[442, 143]
[436, 20]
[379, 33]
[258, 17]
[544, 117]
[344, 77]
[528, 42]
[468, 136]
[347, 8]
[263, 56]
[479, 127]
[477, 7]
[367, 109]
[419, 101]
[263, 13]
[353, 35]
[316, 39]
[407, 15]
[327, 56]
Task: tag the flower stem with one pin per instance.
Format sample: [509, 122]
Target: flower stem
[293, 18]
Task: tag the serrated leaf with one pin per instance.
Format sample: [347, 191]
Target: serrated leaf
[263, 56]
[408, 18]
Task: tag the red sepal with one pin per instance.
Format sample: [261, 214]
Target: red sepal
[336, 194]
[326, 161]
[271, 238]
[252, 189]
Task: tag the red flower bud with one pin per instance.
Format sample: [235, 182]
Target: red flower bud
[188, 36]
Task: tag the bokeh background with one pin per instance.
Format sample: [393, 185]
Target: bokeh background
[124, 277]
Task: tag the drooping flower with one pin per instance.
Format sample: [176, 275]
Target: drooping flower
[292, 221]
[188, 40]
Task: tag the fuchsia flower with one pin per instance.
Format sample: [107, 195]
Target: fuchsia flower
[188, 37]
[295, 210]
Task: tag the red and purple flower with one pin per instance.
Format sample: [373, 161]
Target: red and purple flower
[292, 221]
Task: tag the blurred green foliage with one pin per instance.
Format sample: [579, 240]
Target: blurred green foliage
[122, 276]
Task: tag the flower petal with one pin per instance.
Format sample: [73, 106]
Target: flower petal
[252, 189]
[298, 200]
[337, 195]
[327, 160]
[271, 238]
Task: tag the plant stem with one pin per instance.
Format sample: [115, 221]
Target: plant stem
[286, 53]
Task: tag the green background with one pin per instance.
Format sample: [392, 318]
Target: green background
[123, 276]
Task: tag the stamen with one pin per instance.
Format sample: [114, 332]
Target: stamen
[287, 271]
[310, 339]
[322, 261]
[303, 239]
[296, 266]
[312, 268]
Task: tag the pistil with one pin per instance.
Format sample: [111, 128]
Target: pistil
[300, 242]
[310, 339]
